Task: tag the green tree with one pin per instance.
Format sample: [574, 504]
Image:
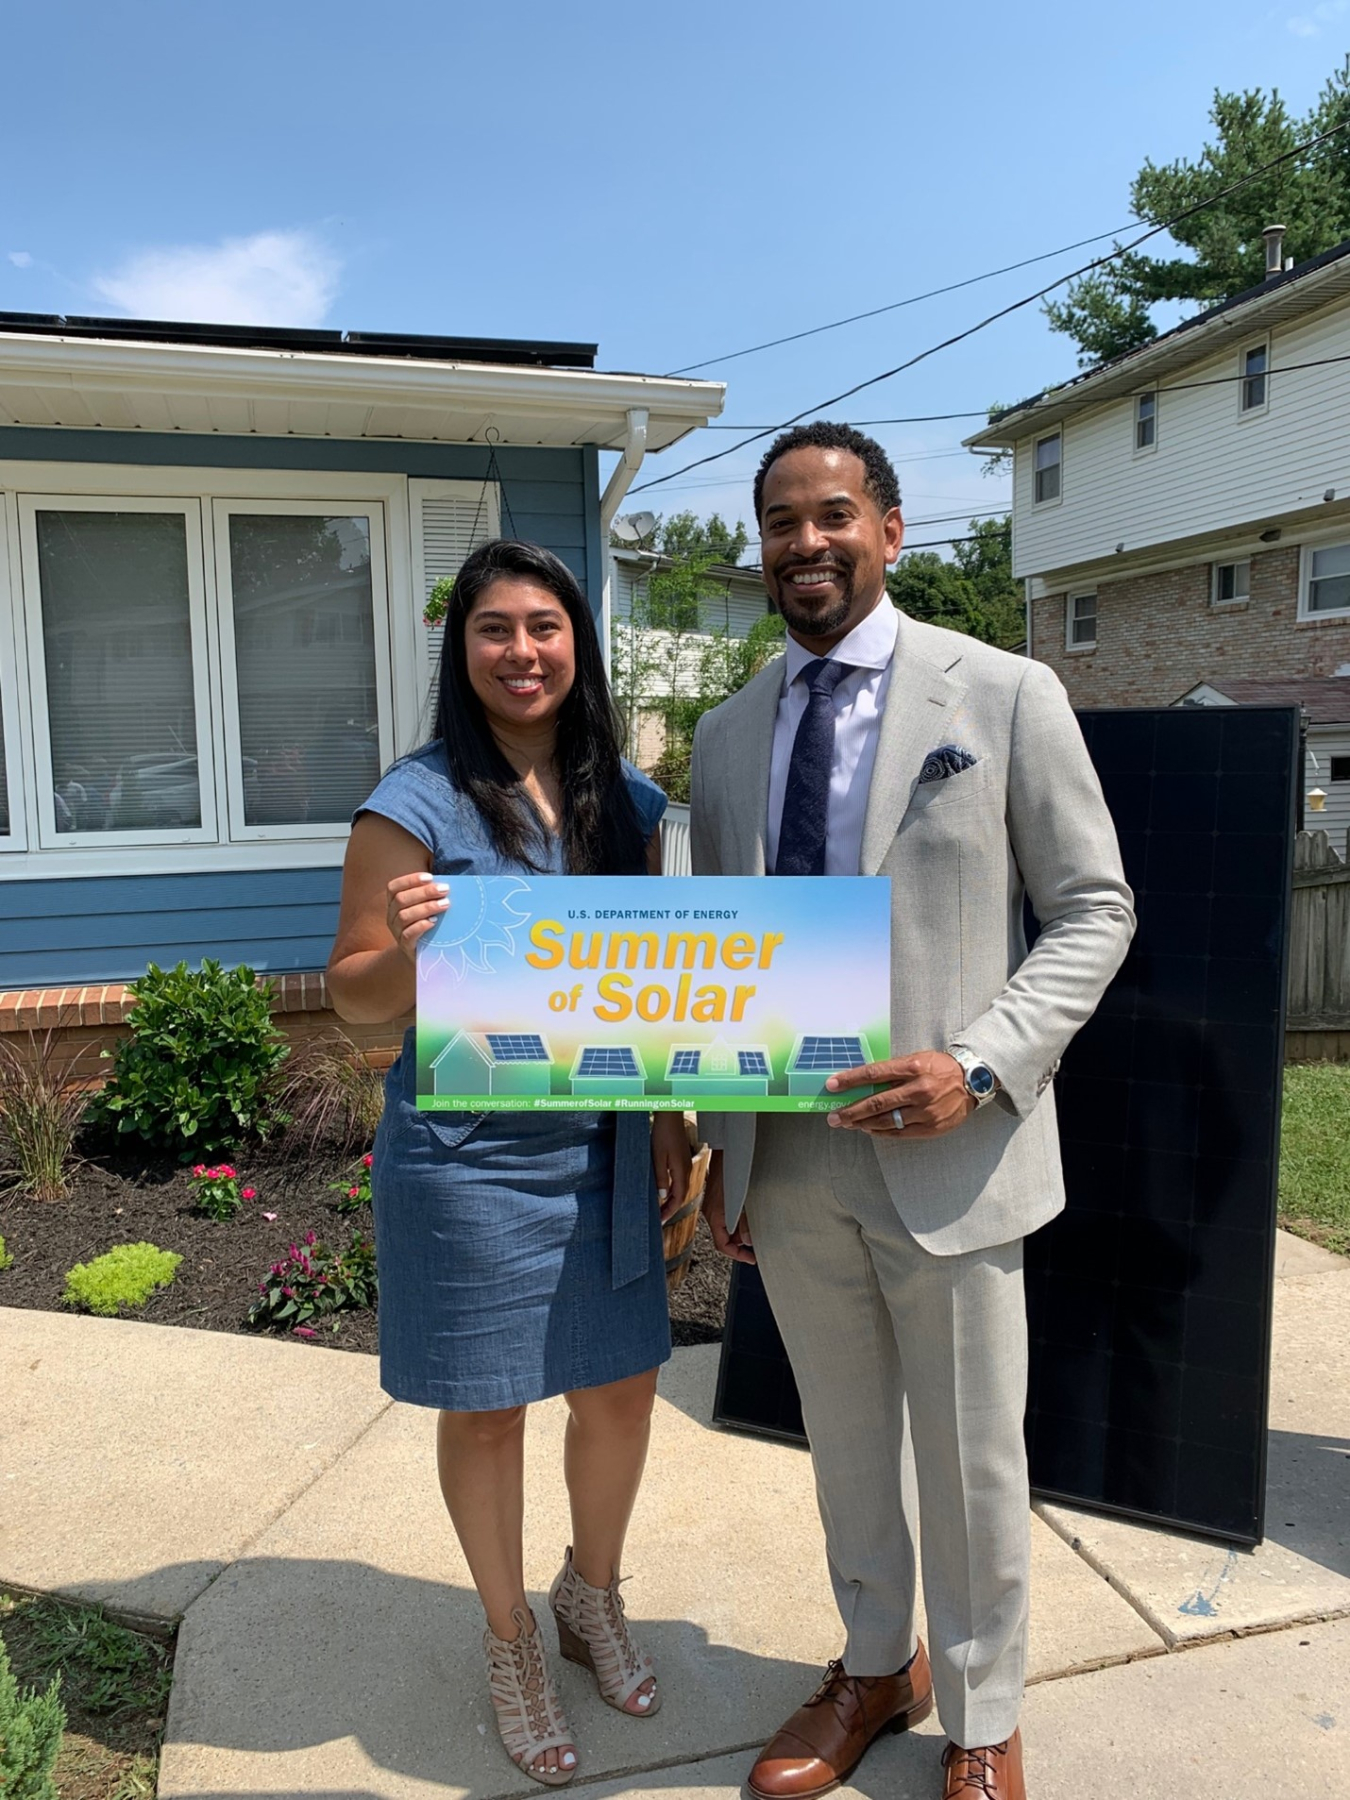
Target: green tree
[688, 538]
[1109, 312]
[975, 593]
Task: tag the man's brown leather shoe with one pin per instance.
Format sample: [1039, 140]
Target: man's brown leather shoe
[825, 1740]
[991, 1773]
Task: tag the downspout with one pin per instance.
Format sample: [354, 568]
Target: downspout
[634, 449]
[1026, 589]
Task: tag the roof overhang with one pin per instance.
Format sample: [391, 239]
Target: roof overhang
[1282, 299]
[115, 385]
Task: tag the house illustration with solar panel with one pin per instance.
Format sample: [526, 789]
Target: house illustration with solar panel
[718, 1068]
[608, 1069]
[493, 1062]
[815, 1059]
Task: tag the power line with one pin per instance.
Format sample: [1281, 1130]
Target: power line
[980, 412]
[875, 312]
[1005, 311]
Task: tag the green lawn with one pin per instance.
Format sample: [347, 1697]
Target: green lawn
[1315, 1154]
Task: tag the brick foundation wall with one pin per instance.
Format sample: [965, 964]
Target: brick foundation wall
[85, 1021]
[1159, 635]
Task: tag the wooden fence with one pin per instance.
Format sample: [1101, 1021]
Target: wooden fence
[1319, 949]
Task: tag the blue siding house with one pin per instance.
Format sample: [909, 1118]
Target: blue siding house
[215, 548]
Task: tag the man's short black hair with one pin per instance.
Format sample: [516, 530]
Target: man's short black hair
[823, 434]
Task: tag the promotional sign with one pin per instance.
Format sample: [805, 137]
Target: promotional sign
[645, 993]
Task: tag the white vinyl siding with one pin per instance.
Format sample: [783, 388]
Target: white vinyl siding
[1209, 474]
[1329, 757]
[1231, 583]
[738, 607]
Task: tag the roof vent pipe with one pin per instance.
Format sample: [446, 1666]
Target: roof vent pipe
[1274, 237]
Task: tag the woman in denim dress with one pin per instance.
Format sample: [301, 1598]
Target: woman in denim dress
[519, 1253]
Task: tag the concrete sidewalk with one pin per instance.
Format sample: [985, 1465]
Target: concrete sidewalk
[272, 1498]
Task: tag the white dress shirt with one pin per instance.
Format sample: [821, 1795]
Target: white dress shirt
[858, 703]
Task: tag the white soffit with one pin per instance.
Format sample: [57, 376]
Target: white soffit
[112, 385]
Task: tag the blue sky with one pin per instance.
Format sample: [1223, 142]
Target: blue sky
[672, 181]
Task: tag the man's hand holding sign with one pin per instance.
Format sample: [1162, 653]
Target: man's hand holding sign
[927, 1091]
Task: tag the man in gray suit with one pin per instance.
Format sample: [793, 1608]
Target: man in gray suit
[889, 1233]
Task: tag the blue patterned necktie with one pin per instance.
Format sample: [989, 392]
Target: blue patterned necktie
[806, 800]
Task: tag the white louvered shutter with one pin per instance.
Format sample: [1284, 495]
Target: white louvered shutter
[449, 519]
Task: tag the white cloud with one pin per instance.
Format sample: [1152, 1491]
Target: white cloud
[272, 278]
[1310, 23]
[21, 259]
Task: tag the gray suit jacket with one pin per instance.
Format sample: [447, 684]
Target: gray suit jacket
[960, 852]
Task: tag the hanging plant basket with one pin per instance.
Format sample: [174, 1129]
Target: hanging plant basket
[438, 601]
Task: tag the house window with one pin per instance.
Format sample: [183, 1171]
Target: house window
[1255, 368]
[1080, 621]
[118, 619]
[1340, 768]
[1145, 421]
[1232, 583]
[301, 629]
[1047, 469]
[1326, 581]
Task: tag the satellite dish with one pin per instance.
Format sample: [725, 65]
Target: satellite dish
[626, 531]
[643, 523]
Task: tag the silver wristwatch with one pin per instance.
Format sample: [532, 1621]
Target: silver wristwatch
[980, 1080]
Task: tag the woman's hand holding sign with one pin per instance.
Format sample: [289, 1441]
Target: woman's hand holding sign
[928, 1090]
[413, 905]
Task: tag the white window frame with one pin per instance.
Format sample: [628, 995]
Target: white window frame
[1245, 411]
[12, 681]
[1044, 438]
[1070, 602]
[30, 505]
[222, 510]
[1324, 541]
[1149, 448]
[115, 486]
[1234, 562]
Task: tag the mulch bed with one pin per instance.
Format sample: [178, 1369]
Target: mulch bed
[121, 1196]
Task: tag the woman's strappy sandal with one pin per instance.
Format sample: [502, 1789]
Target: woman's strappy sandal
[592, 1631]
[529, 1718]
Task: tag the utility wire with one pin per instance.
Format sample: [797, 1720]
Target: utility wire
[1005, 311]
[875, 312]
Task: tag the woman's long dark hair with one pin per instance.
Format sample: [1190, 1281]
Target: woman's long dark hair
[601, 832]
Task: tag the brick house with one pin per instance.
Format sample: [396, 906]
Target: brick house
[1181, 515]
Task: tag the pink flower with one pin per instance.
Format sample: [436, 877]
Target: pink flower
[368, 1159]
[353, 1193]
[200, 1169]
[303, 1331]
[271, 1218]
[249, 1193]
[225, 1169]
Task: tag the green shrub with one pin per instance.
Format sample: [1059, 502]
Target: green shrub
[200, 1065]
[125, 1276]
[31, 1724]
[6, 1256]
[41, 1106]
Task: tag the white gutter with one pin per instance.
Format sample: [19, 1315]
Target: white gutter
[634, 449]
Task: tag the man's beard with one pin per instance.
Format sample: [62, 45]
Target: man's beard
[807, 622]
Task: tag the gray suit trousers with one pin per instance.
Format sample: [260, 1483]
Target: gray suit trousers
[906, 1363]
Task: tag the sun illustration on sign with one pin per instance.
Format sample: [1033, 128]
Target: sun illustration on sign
[481, 918]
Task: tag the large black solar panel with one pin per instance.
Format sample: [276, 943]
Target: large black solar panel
[1149, 1298]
